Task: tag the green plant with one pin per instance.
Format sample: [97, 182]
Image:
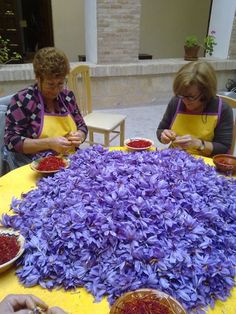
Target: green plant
[191, 41]
[208, 43]
[6, 55]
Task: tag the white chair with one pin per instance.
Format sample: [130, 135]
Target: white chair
[230, 99]
[109, 125]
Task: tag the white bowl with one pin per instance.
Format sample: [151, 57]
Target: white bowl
[20, 240]
[149, 143]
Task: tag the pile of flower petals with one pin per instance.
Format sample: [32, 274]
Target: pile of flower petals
[116, 221]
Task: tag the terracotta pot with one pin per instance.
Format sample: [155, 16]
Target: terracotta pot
[191, 53]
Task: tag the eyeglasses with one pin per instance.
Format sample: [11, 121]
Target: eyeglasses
[50, 85]
[190, 98]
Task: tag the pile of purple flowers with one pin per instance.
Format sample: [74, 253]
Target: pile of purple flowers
[116, 221]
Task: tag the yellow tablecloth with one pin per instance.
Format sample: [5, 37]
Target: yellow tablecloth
[79, 301]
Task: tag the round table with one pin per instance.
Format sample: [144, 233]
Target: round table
[22, 180]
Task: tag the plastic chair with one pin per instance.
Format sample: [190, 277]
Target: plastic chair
[230, 99]
[109, 125]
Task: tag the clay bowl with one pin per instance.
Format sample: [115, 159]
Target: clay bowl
[156, 301]
[225, 163]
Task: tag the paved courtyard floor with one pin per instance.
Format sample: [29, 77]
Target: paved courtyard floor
[140, 121]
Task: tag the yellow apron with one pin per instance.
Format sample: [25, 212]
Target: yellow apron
[200, 125]
[54, 125]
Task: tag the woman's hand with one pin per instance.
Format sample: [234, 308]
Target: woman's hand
[21, 304]
[167, 136]
[60, 144]
[26, 304]
[187, 141]
[76, 138]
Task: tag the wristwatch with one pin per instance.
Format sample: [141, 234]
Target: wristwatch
[202, 146]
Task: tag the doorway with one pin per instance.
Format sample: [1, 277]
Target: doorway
[27, 24]
[37, 26]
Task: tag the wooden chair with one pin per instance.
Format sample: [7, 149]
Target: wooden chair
[109, 125]
[228, 98]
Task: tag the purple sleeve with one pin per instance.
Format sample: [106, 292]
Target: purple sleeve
[223, 133]
[16, 124]
[22, 119]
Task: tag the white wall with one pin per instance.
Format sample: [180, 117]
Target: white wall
[221, 22]
[163, 27]
[68, 27]
[166, 23]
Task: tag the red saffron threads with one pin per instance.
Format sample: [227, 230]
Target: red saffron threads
[9, 247]
[147, 304]
[139, 144]
[145, 307]
[50, 163]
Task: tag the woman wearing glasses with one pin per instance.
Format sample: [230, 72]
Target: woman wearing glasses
[44, 117]
[196, 119]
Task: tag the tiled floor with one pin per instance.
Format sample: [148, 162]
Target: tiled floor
[140, 121]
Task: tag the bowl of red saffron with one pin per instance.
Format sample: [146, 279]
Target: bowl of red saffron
[225, 163]
[146, 301]
[50, 164]
[11, 247]
[138, 143]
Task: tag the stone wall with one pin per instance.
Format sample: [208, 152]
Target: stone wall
[122, 85]
[118, 31]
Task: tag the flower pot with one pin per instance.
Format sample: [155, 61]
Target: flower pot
[191, 53]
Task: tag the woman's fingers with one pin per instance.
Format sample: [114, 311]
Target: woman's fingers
[33, 301]
[20, 302]
[167, 136]
[182, 139]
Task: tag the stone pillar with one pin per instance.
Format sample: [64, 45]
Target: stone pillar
[232, 45]
[116, 31]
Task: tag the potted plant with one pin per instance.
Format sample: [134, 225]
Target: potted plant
[192, 46]
[6, 55]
